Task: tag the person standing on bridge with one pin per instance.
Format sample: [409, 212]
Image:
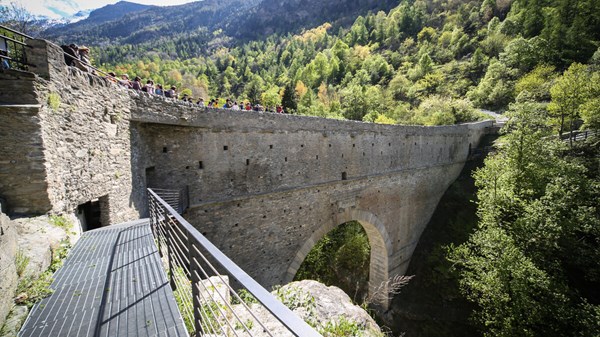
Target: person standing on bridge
[171, 92]
[159, 90]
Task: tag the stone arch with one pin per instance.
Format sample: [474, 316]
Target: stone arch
[381, 246]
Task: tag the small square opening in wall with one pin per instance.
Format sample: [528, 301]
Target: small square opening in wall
[247, 162]
[225, 148]
[270, 146]
[344, 176]
[200, 165]
[165, 149]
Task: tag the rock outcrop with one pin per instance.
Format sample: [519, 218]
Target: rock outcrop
[26, 249]
[325, 308]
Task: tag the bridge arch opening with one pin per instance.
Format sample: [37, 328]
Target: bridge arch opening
[378, 240]
[340, 258]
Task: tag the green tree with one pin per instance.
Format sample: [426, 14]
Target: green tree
[569, 92]
[254, 89]
[289, 99]
[270, 98]
[536, 240]
[536, 84]
[496, 89]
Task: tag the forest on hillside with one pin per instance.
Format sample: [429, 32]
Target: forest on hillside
[423, 62]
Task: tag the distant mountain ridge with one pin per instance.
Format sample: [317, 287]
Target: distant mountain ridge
[115, 12]
[126, 22]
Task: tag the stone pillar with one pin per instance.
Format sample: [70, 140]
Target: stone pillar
[23, 182]
[48, 58]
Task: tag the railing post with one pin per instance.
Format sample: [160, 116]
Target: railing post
[194, 278]
[154, 222]
[170, 243]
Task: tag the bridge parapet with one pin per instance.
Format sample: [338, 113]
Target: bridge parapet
[222, 154]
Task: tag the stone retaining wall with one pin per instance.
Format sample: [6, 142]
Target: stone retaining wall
[71, 145]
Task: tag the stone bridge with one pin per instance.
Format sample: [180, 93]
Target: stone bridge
[263, 187]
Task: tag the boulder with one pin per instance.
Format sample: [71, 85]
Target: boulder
[38, 237]
[321, 306]
[34, 239]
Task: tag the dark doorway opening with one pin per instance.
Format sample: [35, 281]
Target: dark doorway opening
[151, 176]
[90, 214]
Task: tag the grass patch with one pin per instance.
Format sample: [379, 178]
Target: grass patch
[31, 290]
[245, 296]
[21, 262]
[183, 294]
[54, 101]
[61, 221]
[342, 327]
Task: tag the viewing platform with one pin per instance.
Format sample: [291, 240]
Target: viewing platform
[111, 284]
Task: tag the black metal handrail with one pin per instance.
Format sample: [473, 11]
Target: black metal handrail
[16, 57]
[206, 291]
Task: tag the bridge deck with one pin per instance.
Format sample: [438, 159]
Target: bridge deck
[112, 284]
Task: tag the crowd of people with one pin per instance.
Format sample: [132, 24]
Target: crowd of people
[77, 56]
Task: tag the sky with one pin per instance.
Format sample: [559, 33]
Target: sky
[60, 8]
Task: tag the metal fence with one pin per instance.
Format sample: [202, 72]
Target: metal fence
[200, 276]
[178, 199]
[578, 136]
[12, 49]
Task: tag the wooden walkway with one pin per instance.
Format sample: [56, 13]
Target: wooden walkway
[112, 284]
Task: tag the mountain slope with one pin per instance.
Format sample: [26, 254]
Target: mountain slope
[283, 16]
[130, 23]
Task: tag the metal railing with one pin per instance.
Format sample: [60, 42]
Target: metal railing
[12, 48]
[578, 135]
[199, 274]
[178, 199]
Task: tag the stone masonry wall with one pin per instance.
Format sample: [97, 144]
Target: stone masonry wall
[77, 144]
[223, 154]
[22, 163]
[266, 187]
